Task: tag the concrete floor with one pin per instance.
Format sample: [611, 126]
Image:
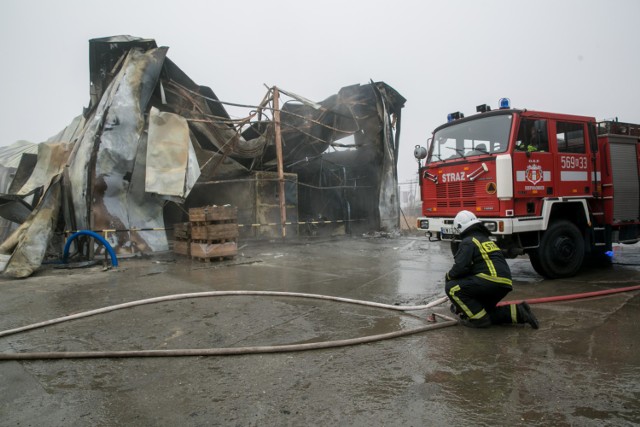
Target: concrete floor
[581, 368]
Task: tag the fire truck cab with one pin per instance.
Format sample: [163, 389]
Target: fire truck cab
[560, 188]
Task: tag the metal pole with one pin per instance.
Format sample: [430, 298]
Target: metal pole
[278, 137]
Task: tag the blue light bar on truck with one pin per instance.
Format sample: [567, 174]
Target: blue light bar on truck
[505, 103]
[454, 116]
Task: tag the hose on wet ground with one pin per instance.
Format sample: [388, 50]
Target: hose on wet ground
[573, 296]
[448, 321]
[261, 349]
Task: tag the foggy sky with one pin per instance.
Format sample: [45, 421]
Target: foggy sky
[576, 57]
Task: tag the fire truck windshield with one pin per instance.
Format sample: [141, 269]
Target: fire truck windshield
[482, 136]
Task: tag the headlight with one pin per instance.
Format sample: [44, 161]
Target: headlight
[491, 226]
[423, 224]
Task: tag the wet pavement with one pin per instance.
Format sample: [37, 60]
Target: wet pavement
[581, 368]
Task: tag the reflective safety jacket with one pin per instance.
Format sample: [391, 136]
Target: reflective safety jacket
[480, 256]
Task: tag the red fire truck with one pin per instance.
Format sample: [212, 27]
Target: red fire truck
[560, 188]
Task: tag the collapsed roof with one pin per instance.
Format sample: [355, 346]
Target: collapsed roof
[153, 143]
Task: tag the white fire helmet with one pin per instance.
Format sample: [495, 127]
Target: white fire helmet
[464, 220]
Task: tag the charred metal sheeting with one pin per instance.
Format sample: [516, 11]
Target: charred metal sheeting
[103, 190]
[7, 176]
[51, 160]
[12, 155]
[152, 143]
[14, 208]
[213, 132]
[360, 180]
[28, 244]
[169, 155]
[70, 133]
[23, 172]
[105, 57]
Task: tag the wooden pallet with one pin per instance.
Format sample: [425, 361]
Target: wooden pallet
[207, 250]
[182, 246]
[182, 238]
[182, 230]
[218, 214]
[214, 231]
[210, 235]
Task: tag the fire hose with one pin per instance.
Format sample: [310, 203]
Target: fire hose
[222, 351]
[260, 349]
[572, 296]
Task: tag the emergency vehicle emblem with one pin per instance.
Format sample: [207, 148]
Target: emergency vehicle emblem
[533, 173]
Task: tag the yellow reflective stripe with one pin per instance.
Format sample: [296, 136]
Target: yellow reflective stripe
[485, 256]
[467, 311]
[480, 314]
[514, 313]
[452, 293]
[496, 279]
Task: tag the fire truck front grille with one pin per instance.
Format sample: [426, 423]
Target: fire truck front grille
[468, 189]
[456, 195]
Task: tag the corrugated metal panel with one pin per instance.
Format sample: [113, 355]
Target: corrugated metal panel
[626, 189]
[10, 156]
[169, 152]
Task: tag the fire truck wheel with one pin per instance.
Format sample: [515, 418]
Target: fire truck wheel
[561, 250]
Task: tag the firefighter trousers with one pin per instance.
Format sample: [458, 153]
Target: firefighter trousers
[476, 298]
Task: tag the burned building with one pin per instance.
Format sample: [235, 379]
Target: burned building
[153, 143]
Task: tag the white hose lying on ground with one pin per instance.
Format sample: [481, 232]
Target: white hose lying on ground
[221, 351]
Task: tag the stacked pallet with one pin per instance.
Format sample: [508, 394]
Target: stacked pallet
[182, 238]
[214, 232]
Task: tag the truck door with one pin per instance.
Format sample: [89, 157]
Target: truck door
[533, 165]
[572, 159]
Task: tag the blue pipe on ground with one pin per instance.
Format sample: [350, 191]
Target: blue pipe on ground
[107, 246]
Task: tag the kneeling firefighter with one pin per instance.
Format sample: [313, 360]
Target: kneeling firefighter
[480, 278]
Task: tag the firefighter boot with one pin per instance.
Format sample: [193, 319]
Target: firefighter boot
[527, 315]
